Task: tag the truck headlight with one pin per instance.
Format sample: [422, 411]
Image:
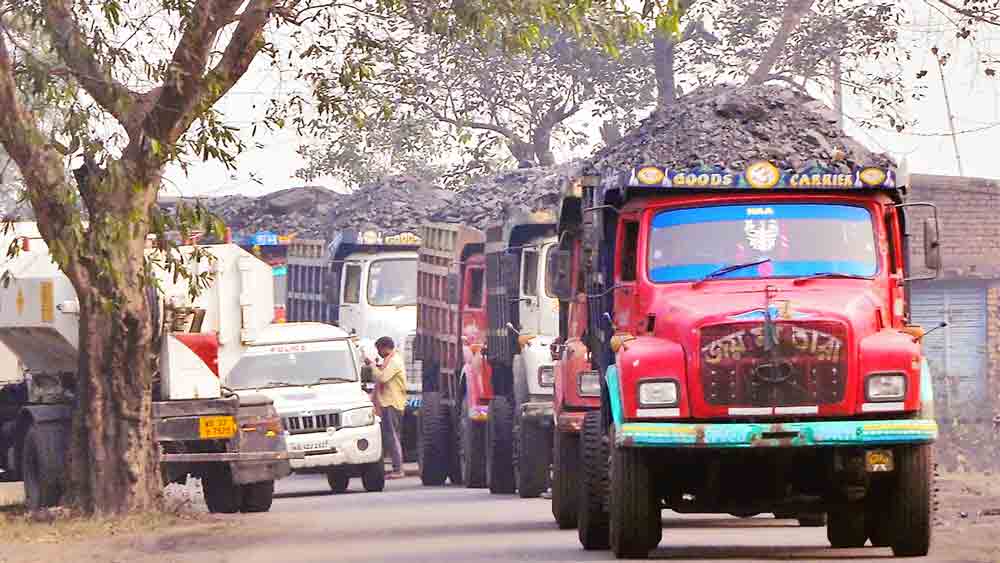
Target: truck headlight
[886, 387]
[658, 393]
[546, 376]
[353, 418]
[589, 384]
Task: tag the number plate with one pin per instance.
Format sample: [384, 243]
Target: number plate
[215, 427]
[314, 446]
[878, 461]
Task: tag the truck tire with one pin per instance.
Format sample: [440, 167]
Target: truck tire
[434, 440]
[636, 526]
[42, 465]
[13, 468]
[472, 447]
[565, 478]
[339, 480]
[592, 513]
[878, 526]
[257, 497]
[532, 459]
[846, 528]
[222, 495]
[910, 514]
[500, 447]
[373, 477]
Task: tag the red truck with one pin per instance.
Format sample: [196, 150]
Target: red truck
[751, 332]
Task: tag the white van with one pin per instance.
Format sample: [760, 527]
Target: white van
[312, 373]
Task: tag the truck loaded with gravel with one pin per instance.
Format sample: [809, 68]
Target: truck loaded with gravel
[751, 331]
[486, 320]
[233, 441]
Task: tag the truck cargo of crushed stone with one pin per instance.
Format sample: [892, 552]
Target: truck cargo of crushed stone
[233, 441]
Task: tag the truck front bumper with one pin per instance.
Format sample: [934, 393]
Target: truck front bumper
[856, 433]
[346, 446]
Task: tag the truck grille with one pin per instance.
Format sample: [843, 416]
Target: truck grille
[808, 366]
[315, 422]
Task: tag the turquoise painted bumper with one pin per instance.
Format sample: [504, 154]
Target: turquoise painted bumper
[776, 435]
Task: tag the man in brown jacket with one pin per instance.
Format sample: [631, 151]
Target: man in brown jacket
[390, 399]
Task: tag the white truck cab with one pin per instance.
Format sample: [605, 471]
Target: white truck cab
[539, 319]
[312, 373]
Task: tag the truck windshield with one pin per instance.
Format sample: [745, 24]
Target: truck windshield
[392, 282]
[293, 364]
[799, 240]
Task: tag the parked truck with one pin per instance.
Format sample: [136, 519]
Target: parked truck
[233, 441]
[365, 283]
[751, 329]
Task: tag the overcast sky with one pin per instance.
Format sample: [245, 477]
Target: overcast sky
[926, 148]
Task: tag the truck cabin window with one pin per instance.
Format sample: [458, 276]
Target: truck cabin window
[476, 277]
[392, 282]
[630, 251]
[529, 274]
[352, 283]
[293, 364]
[798, 239]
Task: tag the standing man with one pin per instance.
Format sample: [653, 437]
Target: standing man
[390, 398]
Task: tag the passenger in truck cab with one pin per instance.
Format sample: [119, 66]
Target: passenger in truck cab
[389, 373]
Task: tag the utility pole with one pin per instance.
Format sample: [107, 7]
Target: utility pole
[951, 117]
[838, 90]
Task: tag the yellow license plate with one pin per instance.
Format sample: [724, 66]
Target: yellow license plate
[212, 427]
[878, 461]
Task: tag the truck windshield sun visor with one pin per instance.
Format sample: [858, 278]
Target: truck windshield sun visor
[761, 240]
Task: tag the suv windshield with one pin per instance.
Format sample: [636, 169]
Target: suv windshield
[392, 282]
[294, 364]
[798, 240]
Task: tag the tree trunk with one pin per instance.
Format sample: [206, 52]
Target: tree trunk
[522, 152]
[611, 132]
[663, 62]
[113, 469]
[794, 11]
[542, 146]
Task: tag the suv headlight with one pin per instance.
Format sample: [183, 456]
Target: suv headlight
[589, 384]
[886, 387]
[658, 393]
[546, 376]
[353, 418]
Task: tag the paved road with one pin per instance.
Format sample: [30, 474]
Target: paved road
[409, 523]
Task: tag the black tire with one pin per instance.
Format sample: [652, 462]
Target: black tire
[593, 527]
[473, 452]
[846, 528]
[817, 520]
[13, 468]
[257, 497]
[455, 471]
[222, 494]
[500, 447]
[43, 465]
[636, 526]
[911, 513]
[532, 459]
[373, 477]
[878, 526]
[434, 440]
[339, 480]
[565, 479]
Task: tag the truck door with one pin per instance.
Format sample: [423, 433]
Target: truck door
[351, 311]
[530, 290]
[549, 304]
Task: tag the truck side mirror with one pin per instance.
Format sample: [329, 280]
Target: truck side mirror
[932, 246]
[562, 275]
[452, 289]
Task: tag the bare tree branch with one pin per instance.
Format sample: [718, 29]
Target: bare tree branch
[75, 51]
[795, 10]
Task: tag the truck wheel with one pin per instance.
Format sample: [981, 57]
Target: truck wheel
[373, 477]
[592, 513]
[846, 528]
[500, 447]
[42, 465]
[636, 526]
[13, 468]
[339, 480]
[222, 495]
[257, 497]
[878, 527]
[913, 502]
[472, 447]
[565, 469]
[434, 440]
[532, 459]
